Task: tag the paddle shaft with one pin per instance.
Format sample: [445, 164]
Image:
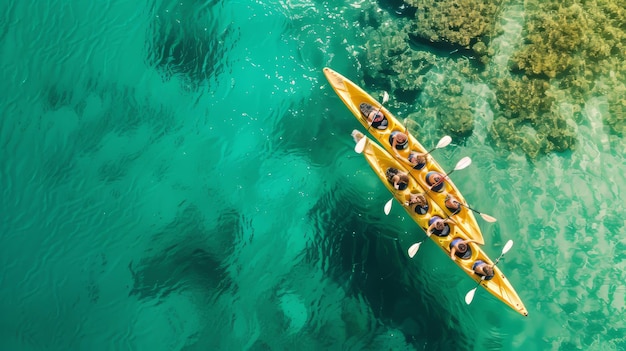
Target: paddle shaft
[464, 205]
[497, 260]
[431, 150]
[486, 217]
[482, 279]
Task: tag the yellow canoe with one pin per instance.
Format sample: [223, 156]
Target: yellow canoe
[352, 96]
[380, 160]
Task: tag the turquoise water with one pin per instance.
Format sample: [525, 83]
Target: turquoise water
[180, 176]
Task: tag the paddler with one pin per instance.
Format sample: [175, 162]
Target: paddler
[460, 249]
[399, 179]
[375, 118]
[452, 204]
[482, 269]
[438, 226]
[416, 160]
[418, 203]
[398, 141]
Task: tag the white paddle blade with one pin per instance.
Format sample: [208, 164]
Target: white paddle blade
[388, 206]
[507, 247]
[463, 163]
[470, 296]
[385, 97]
[360, 146]
[488, 218]
[413, 249]
[445, 141]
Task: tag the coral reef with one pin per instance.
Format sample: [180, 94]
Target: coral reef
[453, 105]
[561, 37]
[522, 105]
[616, 120]
[464, 23]
[552, 39]
[393, 64]
[522, 98]
[578, 43]
[570, 51]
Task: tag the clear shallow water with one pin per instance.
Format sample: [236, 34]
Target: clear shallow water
[160, 194]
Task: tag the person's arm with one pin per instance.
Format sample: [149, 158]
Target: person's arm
[418, 154]
[395, 179]
[452, 252]
[408, 201]
[394, 142]
[404, 160]
[430, 228]
[372, 116]
[404, 179]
